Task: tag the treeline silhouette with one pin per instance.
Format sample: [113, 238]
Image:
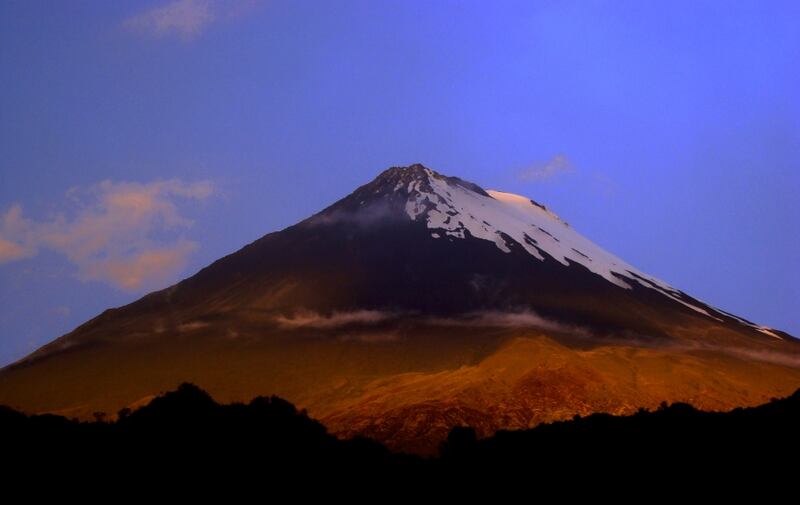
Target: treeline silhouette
[185, 432]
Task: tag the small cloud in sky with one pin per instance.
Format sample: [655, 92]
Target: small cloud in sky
[15, 240]
[603, 185]
[538, 172]
[186, 19]
[115, 231]
[10, 251]
[147, 267]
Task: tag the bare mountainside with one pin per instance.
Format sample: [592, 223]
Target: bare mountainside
[417, 303]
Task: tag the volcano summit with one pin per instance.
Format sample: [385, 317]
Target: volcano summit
[417, 303]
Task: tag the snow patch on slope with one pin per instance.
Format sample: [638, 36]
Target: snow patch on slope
[454, 211]
[766, 330]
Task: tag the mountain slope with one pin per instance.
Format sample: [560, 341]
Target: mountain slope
[413, 273]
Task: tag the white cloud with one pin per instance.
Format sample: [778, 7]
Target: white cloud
[310, 319]
[545, 171]
[147, 267]
[508, 319]
[490, 318]
[110, 233]
[10, 251]
[186, 19]
[16, 241]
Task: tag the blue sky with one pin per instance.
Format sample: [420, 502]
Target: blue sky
[139, 141]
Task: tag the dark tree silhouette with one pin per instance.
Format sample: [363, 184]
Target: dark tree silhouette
[185, 434]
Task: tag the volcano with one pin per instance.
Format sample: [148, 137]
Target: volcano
[417, 303]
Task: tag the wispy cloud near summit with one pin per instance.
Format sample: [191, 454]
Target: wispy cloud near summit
[544, 171]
